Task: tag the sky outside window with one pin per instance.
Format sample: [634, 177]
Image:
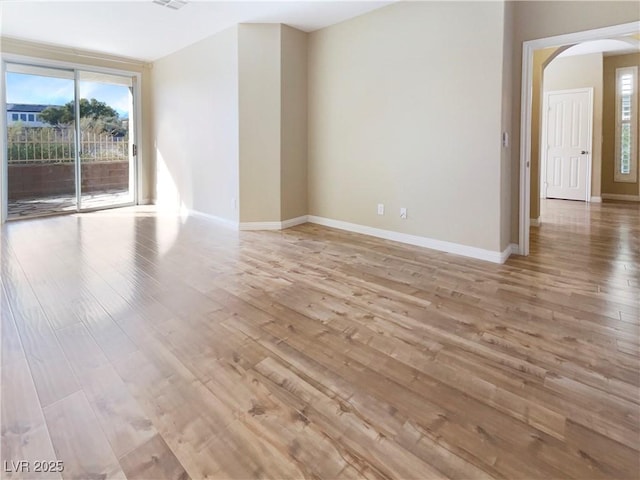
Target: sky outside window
[35, 89]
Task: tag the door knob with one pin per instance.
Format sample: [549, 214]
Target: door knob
[583, 152]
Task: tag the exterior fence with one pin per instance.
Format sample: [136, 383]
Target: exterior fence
[57, 145]
[41, 162]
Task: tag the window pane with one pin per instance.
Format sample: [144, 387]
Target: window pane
[625, 107]
[626, 84]
[626, 156]
[625, 148]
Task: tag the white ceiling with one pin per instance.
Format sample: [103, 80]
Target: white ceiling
[143, 30]
[607, 47]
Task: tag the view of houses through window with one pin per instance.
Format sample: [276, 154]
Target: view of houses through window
[28, 115]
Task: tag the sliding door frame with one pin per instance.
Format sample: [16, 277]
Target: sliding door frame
[76, 68]
[4, 161]
[76, 138]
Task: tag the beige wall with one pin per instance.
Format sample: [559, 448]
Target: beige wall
[60, 54]
[534, 20]
[609, 125]
[566, 73]
[405, 109]
[293, 180]
[507, 127]
[230, 121]
[541, 58]
[260, 102]
[273, 122]
[195, 126]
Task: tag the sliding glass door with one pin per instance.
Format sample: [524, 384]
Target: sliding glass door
[41, 150]
[106, 140]
[70, 140]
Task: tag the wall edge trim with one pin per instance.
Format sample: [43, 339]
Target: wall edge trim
[425, 242]
[621, 196]
[219, 220]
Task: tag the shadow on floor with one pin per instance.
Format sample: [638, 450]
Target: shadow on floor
[36, 207]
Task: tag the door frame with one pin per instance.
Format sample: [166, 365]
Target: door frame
[543, 140]
[528, 47]
[43, 62]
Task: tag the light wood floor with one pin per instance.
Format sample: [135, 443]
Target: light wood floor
[144, 346]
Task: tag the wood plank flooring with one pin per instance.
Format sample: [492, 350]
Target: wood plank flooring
[143, 346]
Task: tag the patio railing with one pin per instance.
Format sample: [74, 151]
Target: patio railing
[30, 145]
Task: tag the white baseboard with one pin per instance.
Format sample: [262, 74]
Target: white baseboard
[443, 246]
[596, 199]
[535, 222]
[245, 226]
[292, 222]
[512, 249]
[619, 196]
[219, 220]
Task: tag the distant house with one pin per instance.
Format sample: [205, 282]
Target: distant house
[27, 114]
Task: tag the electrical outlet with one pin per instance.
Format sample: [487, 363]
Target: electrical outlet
[381, 209]
[403, 213]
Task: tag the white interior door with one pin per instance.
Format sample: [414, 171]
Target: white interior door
[567, 131]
